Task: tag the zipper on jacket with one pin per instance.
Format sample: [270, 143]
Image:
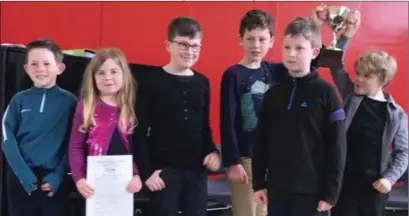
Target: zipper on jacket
[42, 102]
[290, 103]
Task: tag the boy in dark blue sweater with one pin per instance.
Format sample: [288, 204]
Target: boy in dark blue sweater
[35, 131]
[242, 91]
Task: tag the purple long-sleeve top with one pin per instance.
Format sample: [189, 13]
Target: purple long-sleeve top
[96, 140]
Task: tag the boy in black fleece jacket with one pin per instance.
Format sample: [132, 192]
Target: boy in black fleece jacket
[301, 135]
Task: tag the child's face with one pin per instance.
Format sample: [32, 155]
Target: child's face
[184, 51]
[256, 44]
[109, 78]
[42, 67]
[297, 54]
[367, 83]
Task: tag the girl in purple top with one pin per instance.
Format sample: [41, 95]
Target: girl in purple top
[104, 118]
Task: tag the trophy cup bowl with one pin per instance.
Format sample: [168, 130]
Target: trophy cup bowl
[331, 56]
[336, 19]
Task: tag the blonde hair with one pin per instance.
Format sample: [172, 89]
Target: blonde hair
[379, 63]
[125, 98]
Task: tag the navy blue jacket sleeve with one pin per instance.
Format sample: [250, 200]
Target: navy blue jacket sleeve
[228, 114]
[208, 144]
[335, 147]
[10, 146]
[260, 147]
[340, 76]
[342, 43]
[55, 178]
[141, 132]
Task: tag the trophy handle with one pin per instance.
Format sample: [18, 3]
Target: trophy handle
[332, 55]
[333, 45]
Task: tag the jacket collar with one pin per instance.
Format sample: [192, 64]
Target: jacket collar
[391, 102]
[313, 74]
[39, 89]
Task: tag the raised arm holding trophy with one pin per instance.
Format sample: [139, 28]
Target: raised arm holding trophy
[342, 21]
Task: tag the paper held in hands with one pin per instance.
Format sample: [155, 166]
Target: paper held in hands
[109, 176]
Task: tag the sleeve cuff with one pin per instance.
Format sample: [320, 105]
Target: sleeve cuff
[260, 186]
[135, 169]
[77, 177]
[54, 179]
[29, 187]
[390, 179]
[342, 42]
[145, 175]
[231, 163]
[329, 200]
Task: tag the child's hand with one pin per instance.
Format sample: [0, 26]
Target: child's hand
[260, 197]
[323, 206]
[84, 188]
[47, 187]
[134, 185]
[155, 182]
[383, 185]
[319, 15]
[352, 23]
[237, 174]
[212, 161]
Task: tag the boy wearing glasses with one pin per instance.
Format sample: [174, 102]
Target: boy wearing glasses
[173, 141]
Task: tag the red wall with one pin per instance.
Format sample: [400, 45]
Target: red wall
[139, 28]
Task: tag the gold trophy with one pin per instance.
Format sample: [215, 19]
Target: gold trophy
[336, 20]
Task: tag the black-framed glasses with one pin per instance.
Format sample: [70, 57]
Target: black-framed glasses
[185, 46]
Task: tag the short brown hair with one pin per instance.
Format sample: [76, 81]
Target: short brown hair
[256, 19]
[185, 27]
[305, 27]
[379, 63]
[45, 44]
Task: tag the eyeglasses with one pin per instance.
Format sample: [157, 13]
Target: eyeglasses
[185, 46]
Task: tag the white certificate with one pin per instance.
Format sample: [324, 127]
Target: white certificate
[109, 176]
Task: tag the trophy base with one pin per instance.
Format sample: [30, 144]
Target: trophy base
[330, 58]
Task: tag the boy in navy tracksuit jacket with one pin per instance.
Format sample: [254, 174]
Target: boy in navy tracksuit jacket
[35, 131]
